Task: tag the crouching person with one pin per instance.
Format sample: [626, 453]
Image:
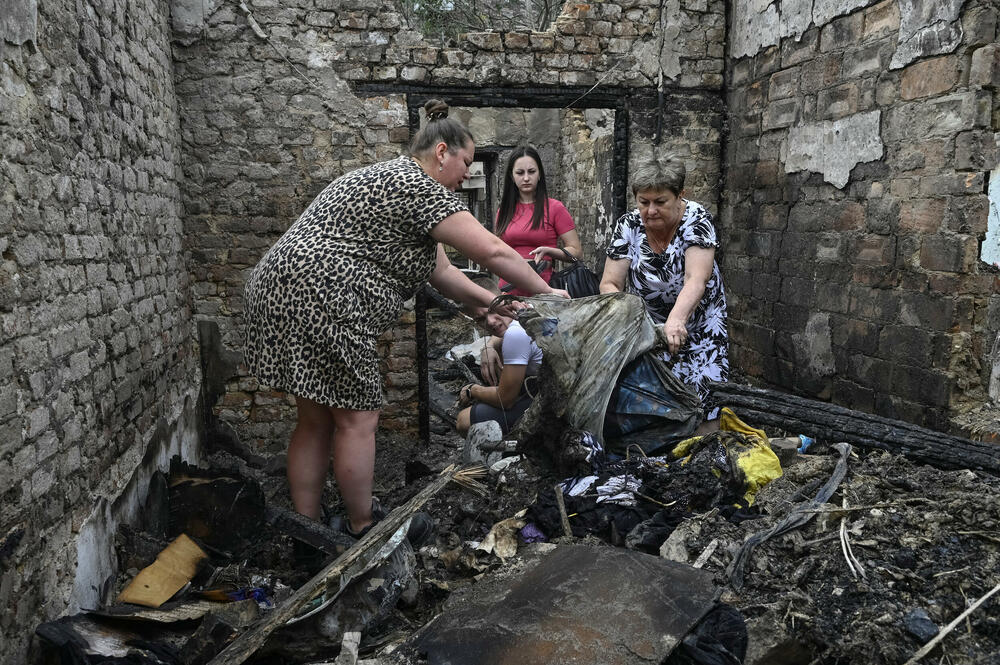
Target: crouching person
[507, 401]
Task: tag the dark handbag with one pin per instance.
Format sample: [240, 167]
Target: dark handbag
[539, 268]
[578, 279]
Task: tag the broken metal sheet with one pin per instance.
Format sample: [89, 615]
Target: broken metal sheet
[573, 604]
[166, 613]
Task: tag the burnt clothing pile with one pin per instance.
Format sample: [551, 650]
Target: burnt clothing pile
[638, 501]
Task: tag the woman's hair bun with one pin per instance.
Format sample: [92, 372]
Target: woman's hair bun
[435, 109]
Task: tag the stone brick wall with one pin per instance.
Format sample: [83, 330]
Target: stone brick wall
[270, 113]
[98, 373]
[860, 137]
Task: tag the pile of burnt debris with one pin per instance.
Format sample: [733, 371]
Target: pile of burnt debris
[871, 542]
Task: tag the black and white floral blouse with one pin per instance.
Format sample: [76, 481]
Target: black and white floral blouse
[658, 279]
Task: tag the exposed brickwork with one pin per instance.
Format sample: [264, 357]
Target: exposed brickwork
[887, 254]
[97, 360]
[262, 138]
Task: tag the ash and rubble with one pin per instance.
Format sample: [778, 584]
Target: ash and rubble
[924, 544]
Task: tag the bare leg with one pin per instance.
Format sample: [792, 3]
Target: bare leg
[462, 421]
[309, 455]
[354, 463]
[707, 427]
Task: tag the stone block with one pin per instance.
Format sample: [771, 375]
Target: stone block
[742, 71]
[921, 215]
[784, 83]
[855, 335]
[842, 32]
[881, 20]
[767, 61]
[865, 60]
[482, 444]
[543, 41]
[948, 253]
[873, 304]
[985, 71]
[921, 385]
[838, 102]
[794, 52]
[424, 56]
[454, 57]
[849, 216]
[976, 151]
[874, 249]
[943, 116]
[413, 73]
[980, 25]
[517, 41]
[779, 114]
[822, 72]
[587, 44]
[968, 215]
[869, 371]
[798, 292]
[929, 77]
[904, 343]
[486, 41]
[954, 183]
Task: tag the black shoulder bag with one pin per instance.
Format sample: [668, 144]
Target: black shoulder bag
[577, 278]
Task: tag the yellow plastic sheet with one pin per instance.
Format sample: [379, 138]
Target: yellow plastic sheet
[751, 453]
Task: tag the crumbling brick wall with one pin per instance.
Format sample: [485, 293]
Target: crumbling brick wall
[262, 134]
[98, 370]
[860, 137]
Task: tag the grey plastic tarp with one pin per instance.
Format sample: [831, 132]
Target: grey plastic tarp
[587, 342]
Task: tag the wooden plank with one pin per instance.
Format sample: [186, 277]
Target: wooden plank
[801, 415]
[255, 636]
[174, 567]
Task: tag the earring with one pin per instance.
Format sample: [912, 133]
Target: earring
[440, 168]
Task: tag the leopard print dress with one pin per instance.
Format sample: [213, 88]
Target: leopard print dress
[336, 280]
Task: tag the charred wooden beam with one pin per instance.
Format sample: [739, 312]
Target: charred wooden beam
[354, 559]
[308, 531]
[763, 406]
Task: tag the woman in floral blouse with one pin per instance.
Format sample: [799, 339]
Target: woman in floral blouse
[664, 251]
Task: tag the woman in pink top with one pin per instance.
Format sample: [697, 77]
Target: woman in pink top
[534, 225]
[528, 220]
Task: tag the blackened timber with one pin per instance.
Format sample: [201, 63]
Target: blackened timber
[423, 409]
[308, 531]
[439, 400]
[802, 415]
[256, 635]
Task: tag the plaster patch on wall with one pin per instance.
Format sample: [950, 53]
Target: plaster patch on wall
[189, 17]
[927, 27]
[758, 24]
[18, 21]
[825, 11]
[834, 147]
[813, 347]
[670, 51]
[755, 25]
[796, 16]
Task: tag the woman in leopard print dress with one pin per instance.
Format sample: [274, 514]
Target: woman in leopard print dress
[336, 280]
